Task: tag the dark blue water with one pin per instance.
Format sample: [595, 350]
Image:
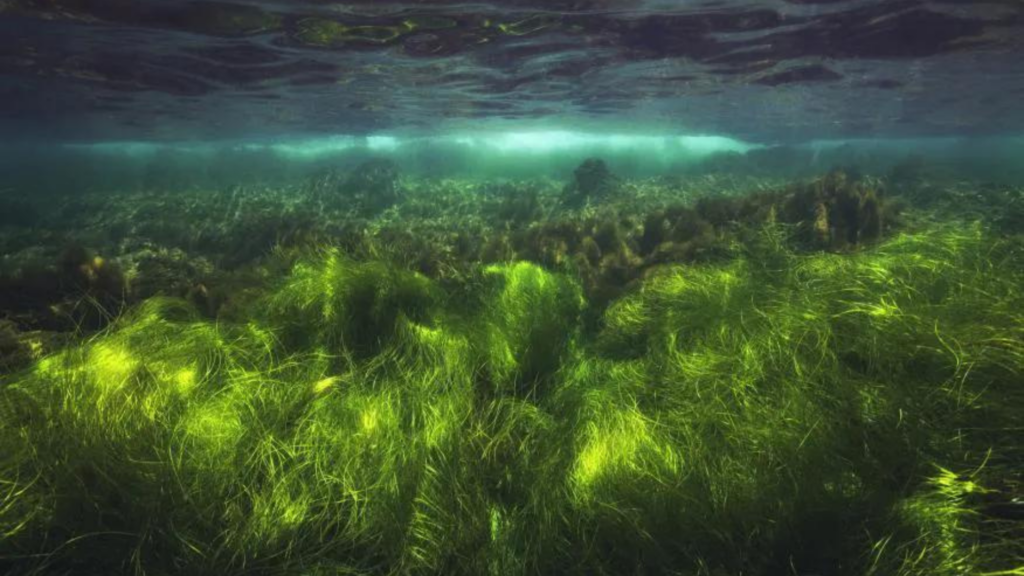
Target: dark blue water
[762, 71]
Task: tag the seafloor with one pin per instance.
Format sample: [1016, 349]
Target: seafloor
[370, 373]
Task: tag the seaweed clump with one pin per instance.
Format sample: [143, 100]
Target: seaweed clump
[592, 181]
[81, 290]
[836, 212]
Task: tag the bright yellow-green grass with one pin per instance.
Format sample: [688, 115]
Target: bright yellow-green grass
[780, 413]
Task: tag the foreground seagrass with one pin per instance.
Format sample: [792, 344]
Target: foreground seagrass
[763, 415]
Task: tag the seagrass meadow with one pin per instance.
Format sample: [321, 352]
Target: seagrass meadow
[369, 373]
[511, 287]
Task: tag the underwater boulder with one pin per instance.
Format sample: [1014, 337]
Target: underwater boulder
[591, 180]
[373, 185]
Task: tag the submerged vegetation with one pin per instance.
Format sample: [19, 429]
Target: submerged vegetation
[528, 379]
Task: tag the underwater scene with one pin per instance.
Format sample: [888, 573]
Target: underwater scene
[523, 287]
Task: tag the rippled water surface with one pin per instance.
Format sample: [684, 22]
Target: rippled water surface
[759, 70]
